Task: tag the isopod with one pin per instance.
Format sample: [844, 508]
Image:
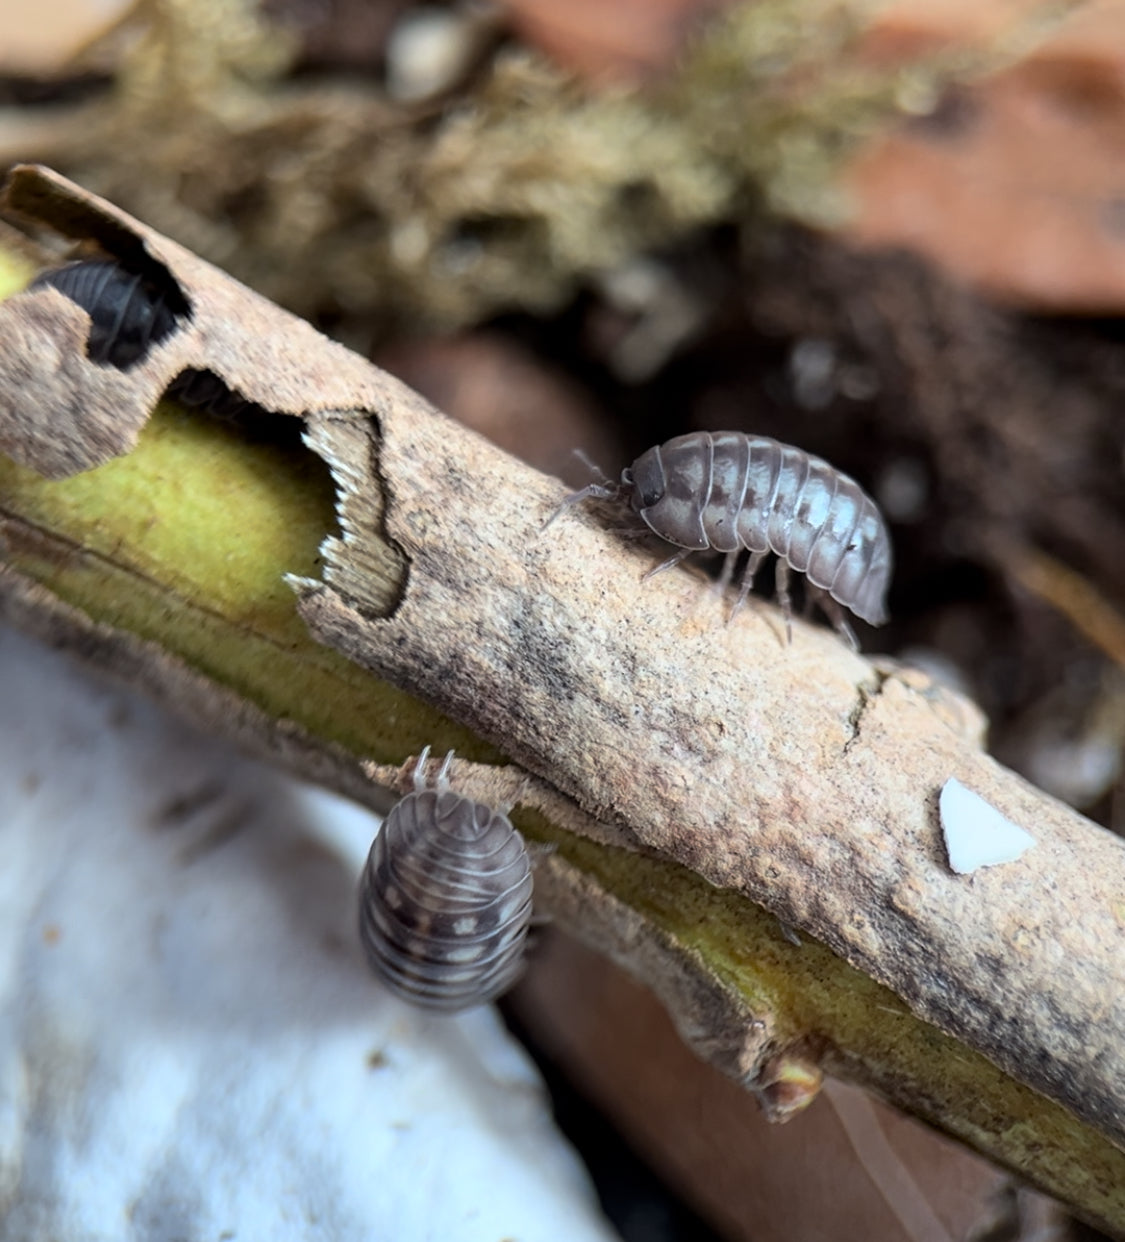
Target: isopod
[729, 492]
[129, 315]
[445, 898]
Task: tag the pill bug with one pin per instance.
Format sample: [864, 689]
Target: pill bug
[445, 898]
[731, 492]
[204, 390]
[129, 315]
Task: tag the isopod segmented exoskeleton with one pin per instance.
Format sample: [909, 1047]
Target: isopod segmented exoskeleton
[130, 315]
[445, 898]
[730, 492]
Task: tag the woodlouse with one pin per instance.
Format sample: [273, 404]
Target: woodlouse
[729, 492]
[445, 898]
[128, 315]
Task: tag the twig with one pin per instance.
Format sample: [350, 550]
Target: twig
[716, 772]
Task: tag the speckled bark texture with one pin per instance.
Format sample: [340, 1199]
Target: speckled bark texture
[804, 777]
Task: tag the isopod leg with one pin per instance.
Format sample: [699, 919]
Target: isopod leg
[752, 567]
[835, 614]
[784, 597]
[724, 579]
[670, 563]
[631, 529]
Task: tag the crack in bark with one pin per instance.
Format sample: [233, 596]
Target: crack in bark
[866, 694]
[701, 746]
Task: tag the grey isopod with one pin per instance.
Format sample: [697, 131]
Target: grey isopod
[730, 492]
[445, 898]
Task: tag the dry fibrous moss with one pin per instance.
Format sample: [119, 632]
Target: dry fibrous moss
[778, 92]
[509, 193]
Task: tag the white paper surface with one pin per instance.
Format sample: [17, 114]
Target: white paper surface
[190, 1045]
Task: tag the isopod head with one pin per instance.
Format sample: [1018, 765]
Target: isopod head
[666, 501]
[663, 501]
[865, 571]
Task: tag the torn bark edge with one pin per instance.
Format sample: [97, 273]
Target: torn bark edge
[848, 848]
[87, 413]
[713, 1020]
[169, 681]
[710, 1017]
[269, 358]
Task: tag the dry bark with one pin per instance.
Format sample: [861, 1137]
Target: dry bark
[803, 778]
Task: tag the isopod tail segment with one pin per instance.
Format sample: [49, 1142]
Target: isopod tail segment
[441, 781]
[445, 897]
[535, 849]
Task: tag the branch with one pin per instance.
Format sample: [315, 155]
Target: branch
[693, 776]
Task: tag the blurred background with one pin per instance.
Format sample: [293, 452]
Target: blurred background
[892, 234]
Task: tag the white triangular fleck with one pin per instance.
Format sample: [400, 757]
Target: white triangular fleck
[976, 834]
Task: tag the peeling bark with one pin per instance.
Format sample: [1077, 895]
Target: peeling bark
[803, 778]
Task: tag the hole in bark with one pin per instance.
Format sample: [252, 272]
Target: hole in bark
[131, 309]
